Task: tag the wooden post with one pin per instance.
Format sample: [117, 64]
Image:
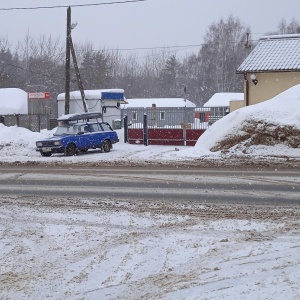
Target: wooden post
[125, 129]
[68, 63]
[145, 130]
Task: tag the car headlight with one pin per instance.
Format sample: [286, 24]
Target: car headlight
[57, 143]
[39, 144]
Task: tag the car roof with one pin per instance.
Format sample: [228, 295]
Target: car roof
[80, 116]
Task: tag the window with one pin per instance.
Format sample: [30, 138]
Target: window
[162, 115]
[106, 127]
[95, 127]
[134, 115]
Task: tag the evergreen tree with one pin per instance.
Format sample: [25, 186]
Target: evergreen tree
[169, 76]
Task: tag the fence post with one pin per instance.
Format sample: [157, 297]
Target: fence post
[184, 125]
[125, 129]
[39, 123]
[17, 119]
[145, 130]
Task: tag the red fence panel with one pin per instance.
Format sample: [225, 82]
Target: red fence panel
[135, 136]
[165, 136]
[192, 136]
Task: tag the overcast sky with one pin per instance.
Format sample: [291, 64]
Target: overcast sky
[151, 23]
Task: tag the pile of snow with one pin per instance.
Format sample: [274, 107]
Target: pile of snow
[274, 123]
[19, 143]
[13, 101]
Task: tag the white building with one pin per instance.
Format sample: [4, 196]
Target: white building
[106, 101]
[223, 99]
[219, 105]
[158, 102]
[160, 111]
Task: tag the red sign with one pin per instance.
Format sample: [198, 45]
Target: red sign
[45, 95]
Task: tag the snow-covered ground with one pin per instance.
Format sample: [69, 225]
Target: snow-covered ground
[112, 251]
[83, 249]
[269, 131]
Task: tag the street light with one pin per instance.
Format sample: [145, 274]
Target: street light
[254, 79]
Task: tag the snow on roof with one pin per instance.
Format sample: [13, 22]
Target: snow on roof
[274, 53]
[159, 102]
[13, 101]
[80, 116]
[223, 99]
[89, 94]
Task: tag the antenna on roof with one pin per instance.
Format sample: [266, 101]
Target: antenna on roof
[247, 45]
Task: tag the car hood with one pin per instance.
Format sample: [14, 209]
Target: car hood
[53, 138]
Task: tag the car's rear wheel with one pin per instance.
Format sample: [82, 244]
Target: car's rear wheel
[106, 146]
[47, 154]
[70, 150]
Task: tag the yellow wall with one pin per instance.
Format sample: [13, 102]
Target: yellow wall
[271, 84]
[236, 104]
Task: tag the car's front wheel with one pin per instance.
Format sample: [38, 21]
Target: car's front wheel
[47, 154]
[70, 150]
[106, 146]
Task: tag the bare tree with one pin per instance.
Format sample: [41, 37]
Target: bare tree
[222, 52]
[292, 27]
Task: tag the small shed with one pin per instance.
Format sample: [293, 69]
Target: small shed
[271, 68]
[106, 101]
[161, 112]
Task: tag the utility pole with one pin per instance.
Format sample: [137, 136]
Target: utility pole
[68, 62]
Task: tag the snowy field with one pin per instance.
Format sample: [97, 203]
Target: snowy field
[85, 249]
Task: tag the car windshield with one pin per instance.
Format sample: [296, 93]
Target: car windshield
[67, 129]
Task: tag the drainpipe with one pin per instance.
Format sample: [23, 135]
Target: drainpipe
[246, 89]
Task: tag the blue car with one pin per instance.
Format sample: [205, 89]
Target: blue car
[78, 133]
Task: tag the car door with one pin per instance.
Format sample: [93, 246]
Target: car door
[97, 135]
[85, 137]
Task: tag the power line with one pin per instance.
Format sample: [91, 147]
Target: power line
[152, 48]
[75, 5]
[160, 47]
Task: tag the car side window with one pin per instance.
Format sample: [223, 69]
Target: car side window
[76, 129]
[96, 127]
[106, 127]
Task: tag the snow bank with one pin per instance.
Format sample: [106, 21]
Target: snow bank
[270, 122]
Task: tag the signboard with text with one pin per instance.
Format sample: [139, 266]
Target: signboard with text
[42, 95]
